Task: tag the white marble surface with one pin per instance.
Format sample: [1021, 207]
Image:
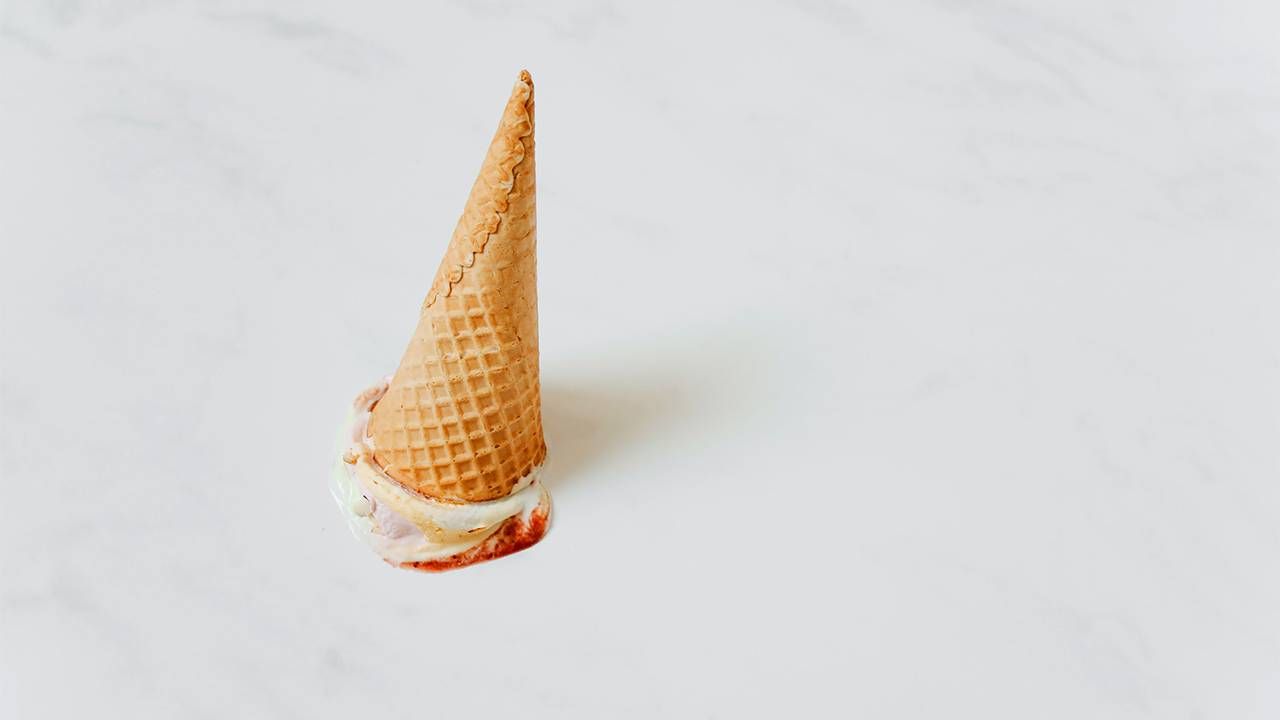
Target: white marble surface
[902, 359]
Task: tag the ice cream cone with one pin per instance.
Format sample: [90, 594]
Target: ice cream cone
[461, 420]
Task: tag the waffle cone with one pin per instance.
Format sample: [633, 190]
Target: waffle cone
[462, 418]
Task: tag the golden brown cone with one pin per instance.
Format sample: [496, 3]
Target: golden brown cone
[462, 418]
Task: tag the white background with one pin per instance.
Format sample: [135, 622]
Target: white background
[901, 359]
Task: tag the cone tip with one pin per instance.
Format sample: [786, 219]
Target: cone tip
[525, 77]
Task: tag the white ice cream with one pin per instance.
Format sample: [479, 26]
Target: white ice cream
[405, 526]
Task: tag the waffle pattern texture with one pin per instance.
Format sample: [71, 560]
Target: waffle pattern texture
[462, 418]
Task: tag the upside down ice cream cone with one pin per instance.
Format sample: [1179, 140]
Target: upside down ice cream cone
[441, 468]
